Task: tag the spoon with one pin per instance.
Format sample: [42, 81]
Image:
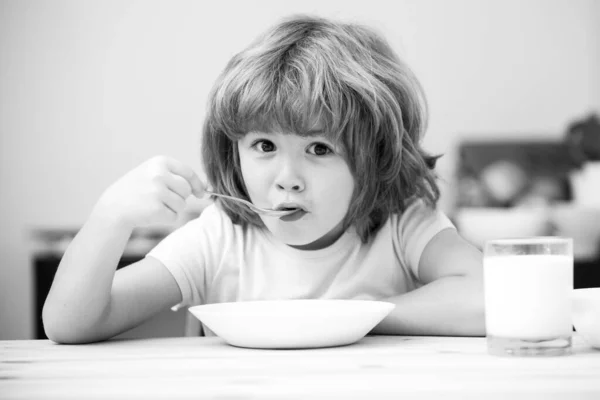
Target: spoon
[267, 212]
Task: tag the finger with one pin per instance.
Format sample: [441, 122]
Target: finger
[178, 168]
[171, 216]
[178, 185]
[173, 202]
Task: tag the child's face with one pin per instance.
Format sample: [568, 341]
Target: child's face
[307, 172]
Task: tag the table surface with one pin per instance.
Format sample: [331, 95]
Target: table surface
[377, 367]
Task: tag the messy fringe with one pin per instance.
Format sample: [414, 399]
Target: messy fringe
[347, 80]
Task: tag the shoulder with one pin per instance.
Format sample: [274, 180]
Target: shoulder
[209, 228]
[213, 213]
[415, 227]
[419, 215]
[215, 227]
[212, 218]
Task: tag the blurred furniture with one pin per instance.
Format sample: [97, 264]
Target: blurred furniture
[524, 188]
[377, 367]
[510, 173]
[49, 246]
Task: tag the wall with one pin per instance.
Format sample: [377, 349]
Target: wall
[90, 89]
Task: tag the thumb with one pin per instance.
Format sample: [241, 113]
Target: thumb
[198, 186]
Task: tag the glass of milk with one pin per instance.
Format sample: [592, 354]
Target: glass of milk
[527, 285]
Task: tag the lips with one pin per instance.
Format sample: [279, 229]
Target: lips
[299, 213]
[289, 206]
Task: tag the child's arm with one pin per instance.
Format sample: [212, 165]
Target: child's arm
[451, 300]
[88, 301]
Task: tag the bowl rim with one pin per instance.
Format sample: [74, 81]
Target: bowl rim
[217, 308]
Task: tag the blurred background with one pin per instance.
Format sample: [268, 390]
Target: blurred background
[90, 89]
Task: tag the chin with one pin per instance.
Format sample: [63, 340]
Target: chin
[295, 237]
[308, 235]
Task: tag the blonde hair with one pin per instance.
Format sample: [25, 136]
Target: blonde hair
[348, 79]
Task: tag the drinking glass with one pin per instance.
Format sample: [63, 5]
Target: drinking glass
[527, 286]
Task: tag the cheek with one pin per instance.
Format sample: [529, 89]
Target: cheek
[338, 191]
[251, 174]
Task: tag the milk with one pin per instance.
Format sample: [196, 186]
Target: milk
[528, 296]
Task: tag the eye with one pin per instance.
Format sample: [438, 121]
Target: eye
[319, 149]
[263, 146]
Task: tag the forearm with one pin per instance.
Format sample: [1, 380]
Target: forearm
[81, 290]
[450, 306]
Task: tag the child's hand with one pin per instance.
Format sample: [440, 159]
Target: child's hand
[153, 193]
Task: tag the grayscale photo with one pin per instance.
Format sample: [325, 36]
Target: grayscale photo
[332, 199]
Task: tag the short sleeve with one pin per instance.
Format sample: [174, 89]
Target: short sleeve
[188, 252]
[415, 227]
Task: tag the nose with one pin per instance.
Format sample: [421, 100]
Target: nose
[289, 178]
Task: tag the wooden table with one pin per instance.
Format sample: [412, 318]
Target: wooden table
[377, 367]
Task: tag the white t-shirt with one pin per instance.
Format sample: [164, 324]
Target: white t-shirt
[215, 261]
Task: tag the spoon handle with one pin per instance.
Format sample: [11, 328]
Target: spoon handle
[258, 210]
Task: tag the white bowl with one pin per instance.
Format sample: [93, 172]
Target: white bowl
[292, 324]
[586, 315]
[478, 225]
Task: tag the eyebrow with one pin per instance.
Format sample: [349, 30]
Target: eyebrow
[315, 132]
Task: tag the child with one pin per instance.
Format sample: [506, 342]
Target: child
[318, 116]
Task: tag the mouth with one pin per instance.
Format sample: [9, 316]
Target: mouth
[289, 207]
[298, 213]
